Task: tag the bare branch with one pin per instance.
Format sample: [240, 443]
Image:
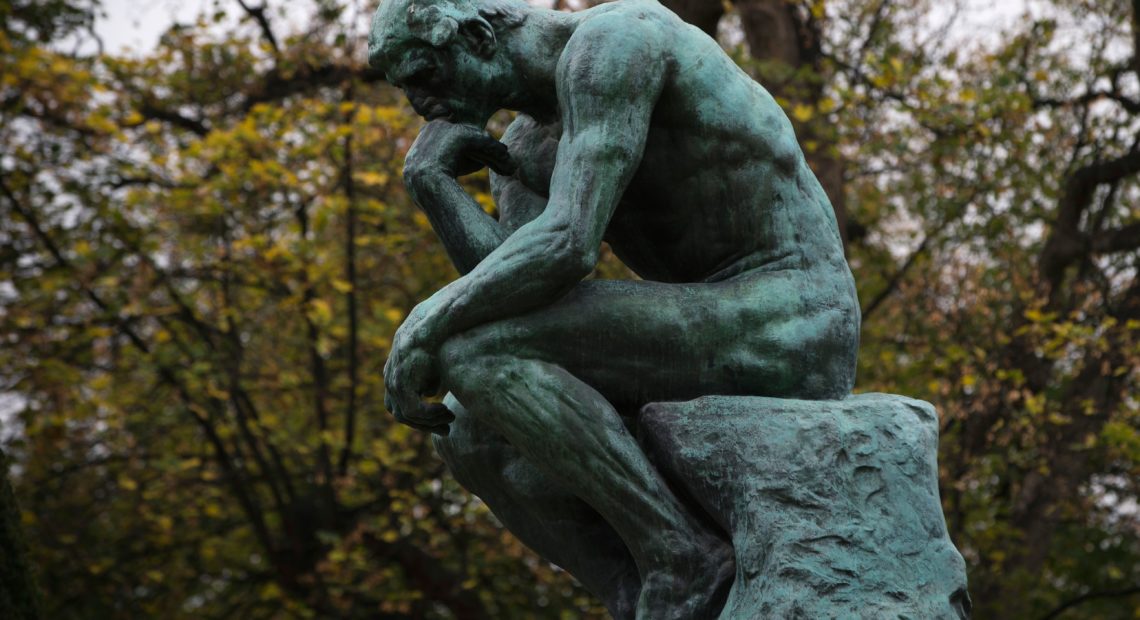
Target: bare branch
[1136, 36]
[349, 187]
[1132, 106]
[1091, 596]
[258, 15]
[153, 112]
[897, 278]
[1120, 239]
[1066, 242]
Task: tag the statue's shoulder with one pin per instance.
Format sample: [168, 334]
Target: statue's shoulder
[615, 50]
[608, 30]
[647, 11]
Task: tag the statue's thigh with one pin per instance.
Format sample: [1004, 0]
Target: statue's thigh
[637, 341]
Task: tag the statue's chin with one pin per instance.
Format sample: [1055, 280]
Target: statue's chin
[469, 117]
[440, 114]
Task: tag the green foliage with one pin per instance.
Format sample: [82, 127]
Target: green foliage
[204, 252]
[997, 184]
[207, 250]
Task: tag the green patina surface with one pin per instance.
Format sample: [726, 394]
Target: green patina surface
[636, 129]
[833, 505]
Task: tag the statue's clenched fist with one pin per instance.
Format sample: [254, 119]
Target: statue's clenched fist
[412, 373]
[455, 149]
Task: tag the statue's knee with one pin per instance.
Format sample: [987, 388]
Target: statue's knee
[466, 360]
[459, 355]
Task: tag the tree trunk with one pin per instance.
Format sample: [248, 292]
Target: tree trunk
[19, 597]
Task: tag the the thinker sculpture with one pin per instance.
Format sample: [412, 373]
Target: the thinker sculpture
[636, 129]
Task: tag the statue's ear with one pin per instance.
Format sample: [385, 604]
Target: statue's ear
[480, 36]
[430, 25]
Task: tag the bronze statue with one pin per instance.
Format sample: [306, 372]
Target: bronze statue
[633, 128]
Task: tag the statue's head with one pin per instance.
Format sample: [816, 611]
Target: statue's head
[444, 54]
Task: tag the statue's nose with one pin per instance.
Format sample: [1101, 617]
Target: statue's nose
[374, 52]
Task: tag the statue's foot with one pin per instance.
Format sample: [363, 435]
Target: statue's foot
[694, 588]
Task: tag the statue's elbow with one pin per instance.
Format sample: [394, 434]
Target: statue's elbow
[419, 179]
[573, 260]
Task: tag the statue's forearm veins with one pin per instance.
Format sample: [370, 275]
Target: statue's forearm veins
[468, 232]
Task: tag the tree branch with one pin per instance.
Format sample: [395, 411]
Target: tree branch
[1120, 239]
[430, 576]
[1066, 243]
[275, 87]
[237, 480]
[954, 213]
[1091, 596]
[873, 29]
[1136, 37]
[897, 278]
[318, 369]
[152, 112]
[1132, 106]
[258, 15]
[349, 187]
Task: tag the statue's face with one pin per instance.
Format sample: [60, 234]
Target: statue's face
[448, 81]
[440, 85]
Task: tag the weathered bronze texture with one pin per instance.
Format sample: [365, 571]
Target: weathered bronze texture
[633, 128]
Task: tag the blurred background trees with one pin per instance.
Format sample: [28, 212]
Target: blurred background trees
[205, 248]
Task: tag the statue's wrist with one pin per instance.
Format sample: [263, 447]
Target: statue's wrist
[427, 333]
[426, 181]
[423, 173]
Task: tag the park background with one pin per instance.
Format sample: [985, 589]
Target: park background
[205, 247]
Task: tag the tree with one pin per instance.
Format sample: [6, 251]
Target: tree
[207, 248]
[1005, 173]
[206, 251]
[19, 595]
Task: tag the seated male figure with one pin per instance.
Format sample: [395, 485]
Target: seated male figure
[636, 129]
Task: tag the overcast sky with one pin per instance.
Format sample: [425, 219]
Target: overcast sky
[137, 24]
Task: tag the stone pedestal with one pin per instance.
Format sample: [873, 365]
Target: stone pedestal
[832, 506]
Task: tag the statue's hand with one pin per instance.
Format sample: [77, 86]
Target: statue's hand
[411, 373]
[455, 150]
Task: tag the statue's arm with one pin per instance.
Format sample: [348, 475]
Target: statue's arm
[522, 196]
[607, 92]
[517, 203]
[468, 232]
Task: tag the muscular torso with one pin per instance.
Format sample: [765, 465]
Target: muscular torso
[722, 185]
